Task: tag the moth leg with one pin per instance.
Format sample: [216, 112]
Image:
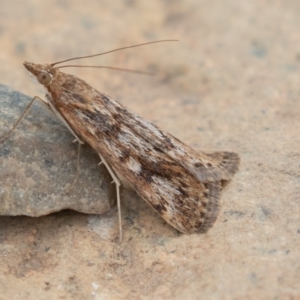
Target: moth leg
[77, 139]
[118, 184]
[26, 110]
[77, 168]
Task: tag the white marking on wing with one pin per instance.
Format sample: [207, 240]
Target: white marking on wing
[151, 127]
[134, 165]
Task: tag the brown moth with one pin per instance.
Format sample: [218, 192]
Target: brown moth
[181, 184]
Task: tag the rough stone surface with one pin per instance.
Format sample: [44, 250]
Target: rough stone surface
[232, 82]
[38, 164]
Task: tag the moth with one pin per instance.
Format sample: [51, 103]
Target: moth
[181, 184]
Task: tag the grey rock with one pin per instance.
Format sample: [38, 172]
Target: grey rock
[38, 164]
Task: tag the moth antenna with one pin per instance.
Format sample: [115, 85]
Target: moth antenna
[118, 49]
[104, 67]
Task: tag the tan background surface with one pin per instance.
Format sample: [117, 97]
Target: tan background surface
[232, 82]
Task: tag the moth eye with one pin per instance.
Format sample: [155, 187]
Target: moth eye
[44, 78]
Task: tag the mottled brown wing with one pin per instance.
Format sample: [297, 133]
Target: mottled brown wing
[206, 167]
[154, 163]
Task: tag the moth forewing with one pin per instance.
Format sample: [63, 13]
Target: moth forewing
[182, 185]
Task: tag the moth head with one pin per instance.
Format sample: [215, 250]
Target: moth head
[43, 73]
